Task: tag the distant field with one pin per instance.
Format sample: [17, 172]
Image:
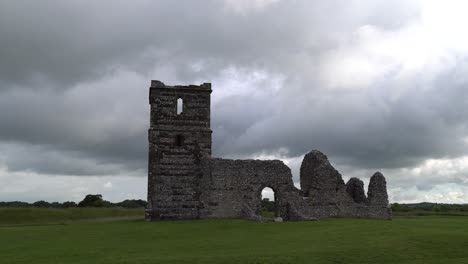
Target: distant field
[428, 239]
[430, 213]
[9, 216]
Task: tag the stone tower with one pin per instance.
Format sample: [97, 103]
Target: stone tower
[179, 137]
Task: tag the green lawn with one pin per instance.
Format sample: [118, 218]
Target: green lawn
[429, 239]
[28, 216]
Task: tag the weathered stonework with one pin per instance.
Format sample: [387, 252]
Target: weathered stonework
[327, 194]
[355, 188]
[177, 144]
[184, 182]
[377, 190]
[319, 180]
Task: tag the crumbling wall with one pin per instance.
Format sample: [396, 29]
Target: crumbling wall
[377, 192]
[184, 182]
[377, 197]
[328, 196]
[319, 180]
[355, 188]
[232, 189]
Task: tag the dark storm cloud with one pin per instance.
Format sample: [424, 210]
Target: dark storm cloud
[368, 129]
[54, 161]
[88, 122]
[74, 77]
[65, 42]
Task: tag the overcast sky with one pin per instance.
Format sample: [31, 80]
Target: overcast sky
[375, 85]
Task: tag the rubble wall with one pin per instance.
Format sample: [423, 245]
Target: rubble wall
[328, 196]
[184, 182]
[232, 188]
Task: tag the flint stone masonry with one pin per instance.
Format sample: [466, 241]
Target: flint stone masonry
[319, 180]
[177, 143]
[377, 193]
[184, 182]
[232, 189]
[355, 188]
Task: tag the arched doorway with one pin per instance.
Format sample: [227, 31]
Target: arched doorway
[268, 207]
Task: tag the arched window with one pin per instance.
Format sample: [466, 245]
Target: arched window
[268, 204]
[179, 140]
[180, 106]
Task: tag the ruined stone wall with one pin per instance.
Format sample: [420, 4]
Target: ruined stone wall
[377, 198]
[177, 143]
[184, 182]
[232, 188]
[355, 188]
[319, 180]
[328, 195]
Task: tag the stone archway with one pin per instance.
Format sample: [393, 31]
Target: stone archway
[267, 202]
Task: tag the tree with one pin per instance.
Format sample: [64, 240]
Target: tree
[55, 205]
[41, 204]
[92, 200]
[68, 204]
[132, 204]
[268, 205]
[396, 207]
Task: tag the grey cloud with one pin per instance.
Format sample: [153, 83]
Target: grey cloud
[95, 121]
[42, 160]
[65, 42]
[366, 128]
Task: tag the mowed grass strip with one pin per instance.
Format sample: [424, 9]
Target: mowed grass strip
[402, 240]
[27, 216]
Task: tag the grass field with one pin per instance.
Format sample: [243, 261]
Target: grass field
[9, 216]
[428, 239]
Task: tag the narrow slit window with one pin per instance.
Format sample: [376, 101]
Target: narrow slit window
[179, 140]
[180, 106]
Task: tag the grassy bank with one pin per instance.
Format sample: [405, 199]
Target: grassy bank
[429, 239]
[14, 216]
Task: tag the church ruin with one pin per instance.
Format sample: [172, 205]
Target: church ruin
[185, 182]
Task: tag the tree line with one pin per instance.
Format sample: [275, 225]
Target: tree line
[437, 208]
[90, 200]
